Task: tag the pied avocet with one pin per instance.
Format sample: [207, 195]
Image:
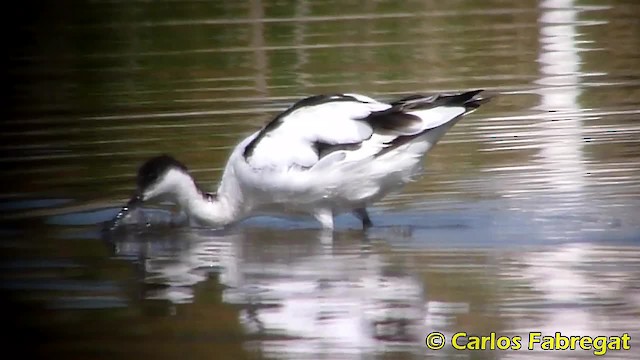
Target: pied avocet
[325, 155]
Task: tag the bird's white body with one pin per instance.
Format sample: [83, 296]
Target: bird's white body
[323, 156]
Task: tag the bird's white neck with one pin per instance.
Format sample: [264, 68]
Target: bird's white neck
[213, 210]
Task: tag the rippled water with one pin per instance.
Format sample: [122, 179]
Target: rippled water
[526, 220]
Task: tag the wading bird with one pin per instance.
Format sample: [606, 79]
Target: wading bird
[325, 155]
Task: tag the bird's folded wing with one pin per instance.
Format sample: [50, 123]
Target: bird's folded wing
[306, 132]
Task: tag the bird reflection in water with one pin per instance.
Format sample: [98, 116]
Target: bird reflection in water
[297, 291]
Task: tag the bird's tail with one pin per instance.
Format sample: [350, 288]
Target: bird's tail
[471, 100]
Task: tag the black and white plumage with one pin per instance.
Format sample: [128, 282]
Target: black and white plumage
[325, 155]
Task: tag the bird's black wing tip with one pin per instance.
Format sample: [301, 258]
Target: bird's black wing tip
[478, 97]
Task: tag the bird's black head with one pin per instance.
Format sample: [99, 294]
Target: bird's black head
[152, 183]
[152, 171]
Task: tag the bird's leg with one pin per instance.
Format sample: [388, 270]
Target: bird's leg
[325, 217]
[361, 213]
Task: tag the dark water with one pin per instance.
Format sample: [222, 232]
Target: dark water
[527, 218]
